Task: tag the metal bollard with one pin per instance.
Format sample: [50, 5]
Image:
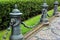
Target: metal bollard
[15, 22]
[55, 8]
[44, 19]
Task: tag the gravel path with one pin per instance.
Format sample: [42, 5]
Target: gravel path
[49, 33]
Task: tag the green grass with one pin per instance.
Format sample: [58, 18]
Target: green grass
[29, 22]
[33, 20]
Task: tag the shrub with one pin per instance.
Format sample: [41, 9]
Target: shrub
[29, 8]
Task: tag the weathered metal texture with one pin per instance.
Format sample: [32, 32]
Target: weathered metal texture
[55, 8]
[44, 18]
[15, 24]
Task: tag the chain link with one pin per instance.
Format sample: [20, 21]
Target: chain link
[30, 26]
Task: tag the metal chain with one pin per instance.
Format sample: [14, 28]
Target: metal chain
[4, 37]
[25, 25]
[30, 26]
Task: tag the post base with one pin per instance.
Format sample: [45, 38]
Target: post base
[56, 15]
[16, 37]
[46, 23]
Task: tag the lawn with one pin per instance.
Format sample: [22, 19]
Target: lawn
[29, 22]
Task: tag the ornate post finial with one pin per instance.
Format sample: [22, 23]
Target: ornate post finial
[16, 6]
[44, 1]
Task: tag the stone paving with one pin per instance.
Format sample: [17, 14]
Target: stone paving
[48, 33]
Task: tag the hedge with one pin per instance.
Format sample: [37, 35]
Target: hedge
[29, 8]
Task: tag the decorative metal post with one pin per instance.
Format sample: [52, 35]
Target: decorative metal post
[55, 8]
[44, 19]
[15, 22]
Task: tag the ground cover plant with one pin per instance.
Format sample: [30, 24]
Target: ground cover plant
[28, 22]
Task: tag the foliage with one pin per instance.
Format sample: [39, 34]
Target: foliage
[29, 22]
[29, 8]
